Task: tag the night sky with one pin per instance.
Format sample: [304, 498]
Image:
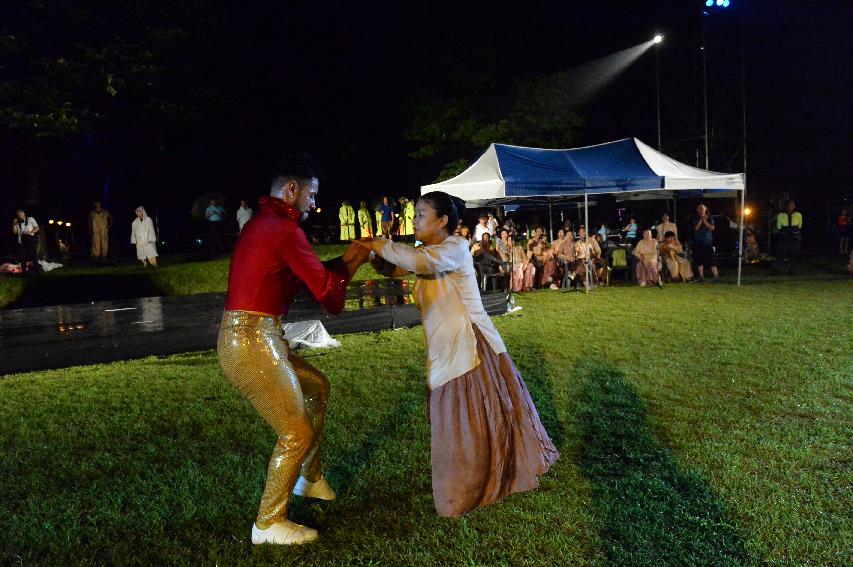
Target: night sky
[337, 79]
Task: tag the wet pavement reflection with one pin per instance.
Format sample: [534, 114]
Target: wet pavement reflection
[86, 333]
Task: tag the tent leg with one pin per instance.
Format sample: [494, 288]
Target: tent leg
[550, 222]
[740, 237]
[588, 259]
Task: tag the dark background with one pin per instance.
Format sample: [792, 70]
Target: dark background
[247, 81]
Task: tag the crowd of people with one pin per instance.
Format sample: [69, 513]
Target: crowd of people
[575, 259]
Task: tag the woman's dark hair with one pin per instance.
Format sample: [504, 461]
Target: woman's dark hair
[668, 233]
[444, 204]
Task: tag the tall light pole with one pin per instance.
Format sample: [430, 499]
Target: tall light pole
[657, 41]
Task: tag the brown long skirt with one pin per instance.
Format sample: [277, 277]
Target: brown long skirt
[487, 439]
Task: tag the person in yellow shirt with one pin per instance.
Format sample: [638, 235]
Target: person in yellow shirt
[789, 223]
[364, 220]
[406, 224]
[347, 218]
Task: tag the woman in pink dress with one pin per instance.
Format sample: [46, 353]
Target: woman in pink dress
[487, 439]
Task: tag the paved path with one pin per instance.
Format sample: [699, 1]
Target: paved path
[87, 333]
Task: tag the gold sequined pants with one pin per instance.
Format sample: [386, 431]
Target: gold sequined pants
[290, 395]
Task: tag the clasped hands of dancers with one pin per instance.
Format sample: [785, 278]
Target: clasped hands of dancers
[487, 439]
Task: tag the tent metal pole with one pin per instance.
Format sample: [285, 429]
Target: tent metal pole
[550, 221]
[740, 238]
[586, 243]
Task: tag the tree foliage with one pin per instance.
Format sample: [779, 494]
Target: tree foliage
[537, 112]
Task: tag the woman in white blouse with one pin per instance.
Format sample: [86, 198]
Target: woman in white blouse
[142, 234]
[487, 439]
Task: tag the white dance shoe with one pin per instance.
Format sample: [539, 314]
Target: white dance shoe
[319, 489]
[284, 533]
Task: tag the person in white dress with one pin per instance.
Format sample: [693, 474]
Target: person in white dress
[244, 213]
[142, 234]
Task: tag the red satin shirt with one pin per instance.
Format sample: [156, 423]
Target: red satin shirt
[273, 260]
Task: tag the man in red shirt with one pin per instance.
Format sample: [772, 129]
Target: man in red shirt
[272, 261]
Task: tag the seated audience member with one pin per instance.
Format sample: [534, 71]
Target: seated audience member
[679, 268]
[523, 270]
[485, 257]
[666, 226]
[567, 254]
[541, 250]
[646, 252]
[599, 262]
[503, 246]
[464, 232]
[587, 249]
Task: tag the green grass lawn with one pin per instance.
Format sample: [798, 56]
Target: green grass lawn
[698, 425]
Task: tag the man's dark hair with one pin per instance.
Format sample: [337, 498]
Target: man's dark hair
[668, 233]
[444, 204]
[294, 167]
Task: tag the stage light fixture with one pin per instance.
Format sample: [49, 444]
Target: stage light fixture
[726, 3]
[709, 3]
[719, 2]
[658, 38]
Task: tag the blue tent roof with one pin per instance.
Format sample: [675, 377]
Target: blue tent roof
[607, 168]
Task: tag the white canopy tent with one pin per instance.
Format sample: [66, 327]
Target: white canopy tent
[515, 175]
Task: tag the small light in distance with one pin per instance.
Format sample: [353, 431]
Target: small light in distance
[59, 223]
[68, 224]
[658, 38]
[709, 3]
[319, 210]
[50, 221]
[719, 2]
[726, 3]
[747, 211]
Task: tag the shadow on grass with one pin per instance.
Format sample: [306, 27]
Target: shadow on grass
[54, 290]
[653, 512]
[541, 387]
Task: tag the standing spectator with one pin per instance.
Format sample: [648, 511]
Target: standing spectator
[407, 218]
[602, 231]
[703, 244]
[789, 224]
[378, 212]
[646, 251]
[346, 215]
[364, 220]
[25, 230]
[387, 217]
[493, 224]
[215, 216]
[588, 248]
[142, 234]
[843, 226]
[666, 226]
[481, 228]
[630, 231]
[244, 213]
[100, 223]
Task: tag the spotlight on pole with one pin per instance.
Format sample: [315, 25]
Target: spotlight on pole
[658, 38]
